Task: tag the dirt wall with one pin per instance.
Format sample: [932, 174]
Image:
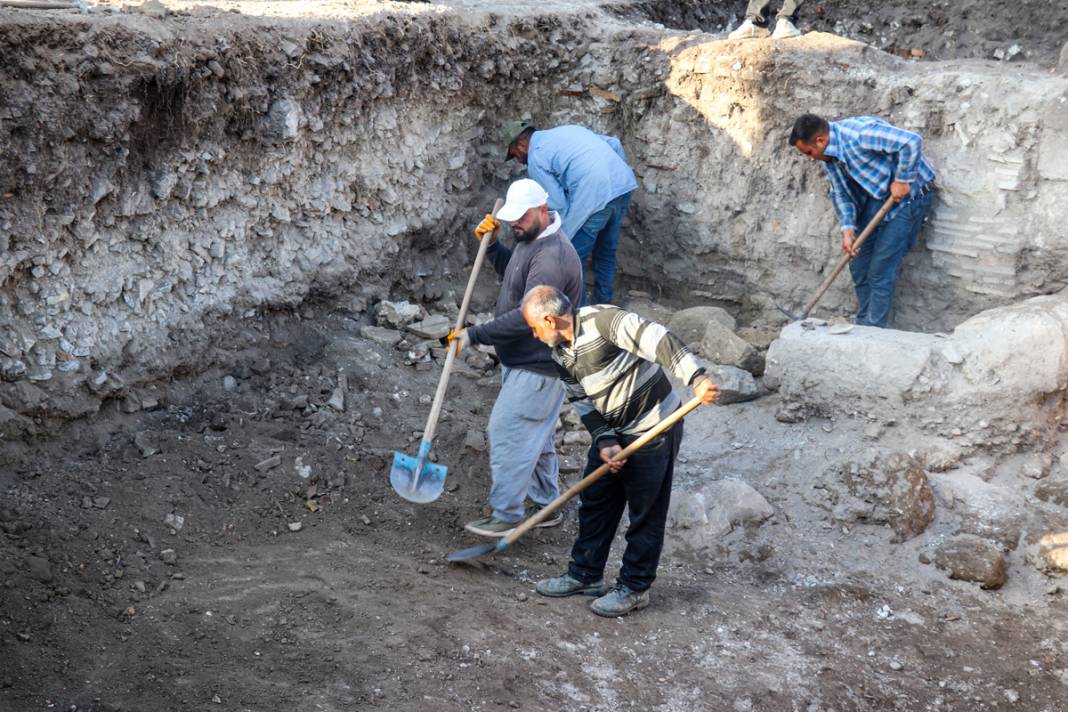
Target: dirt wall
[166, 172]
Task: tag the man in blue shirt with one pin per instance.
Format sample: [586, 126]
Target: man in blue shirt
[867, 160]
[589, 184]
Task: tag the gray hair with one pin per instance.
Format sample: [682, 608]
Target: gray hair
[543, 301]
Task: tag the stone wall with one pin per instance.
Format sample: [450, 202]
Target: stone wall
[164, 175]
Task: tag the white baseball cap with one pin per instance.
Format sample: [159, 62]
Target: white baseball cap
[522, 195]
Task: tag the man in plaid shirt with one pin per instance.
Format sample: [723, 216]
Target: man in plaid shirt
[866, 161]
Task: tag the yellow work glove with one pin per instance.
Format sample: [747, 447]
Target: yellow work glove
[460, 337]
[489, 224]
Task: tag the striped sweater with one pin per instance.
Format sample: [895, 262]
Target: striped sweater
[613, 372]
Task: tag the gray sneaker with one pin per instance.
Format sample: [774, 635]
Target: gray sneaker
[553, 520]
[490, 526]
[567, 586]
[748, 31]
[784, 30]
[619, 602]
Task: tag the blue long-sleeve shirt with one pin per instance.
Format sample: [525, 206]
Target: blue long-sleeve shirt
[873, 154]
[580, 170]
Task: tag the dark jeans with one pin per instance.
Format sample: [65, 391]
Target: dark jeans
[757, 11]
[643, 486]
[876, 268]
[599, 237]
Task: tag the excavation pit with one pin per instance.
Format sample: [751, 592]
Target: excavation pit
[216, 225]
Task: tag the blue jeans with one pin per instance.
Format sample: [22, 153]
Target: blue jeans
[876, 268]
[643, 488]
[598, 237]
[522, 430]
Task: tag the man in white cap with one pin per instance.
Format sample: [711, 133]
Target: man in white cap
[522, 426]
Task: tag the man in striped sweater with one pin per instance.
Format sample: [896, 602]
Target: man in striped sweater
[612, 364]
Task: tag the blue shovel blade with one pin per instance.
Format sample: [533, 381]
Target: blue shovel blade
[421, 487]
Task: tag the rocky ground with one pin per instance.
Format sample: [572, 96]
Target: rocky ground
[236, 545]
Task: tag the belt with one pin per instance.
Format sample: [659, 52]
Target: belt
[927, 188]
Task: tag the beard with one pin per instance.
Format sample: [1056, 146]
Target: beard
[529, 234]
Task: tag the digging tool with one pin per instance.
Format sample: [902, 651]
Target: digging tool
[414, 478]
[842, 262]
[546, 511]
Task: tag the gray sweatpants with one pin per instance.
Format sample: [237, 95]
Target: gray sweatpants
[521, 429]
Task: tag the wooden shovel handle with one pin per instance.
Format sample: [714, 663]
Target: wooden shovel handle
[450, 356]
[844, 259]
[601, 471]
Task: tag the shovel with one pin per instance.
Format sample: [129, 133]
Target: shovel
[414, 478]
[842, 262]
[544, 513]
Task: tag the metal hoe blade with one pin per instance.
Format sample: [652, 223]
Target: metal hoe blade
[415, 479]
[473, 552]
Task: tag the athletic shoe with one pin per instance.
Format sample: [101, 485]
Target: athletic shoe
[554, 519]
[490, 526]
[748, 31]
[784, 30]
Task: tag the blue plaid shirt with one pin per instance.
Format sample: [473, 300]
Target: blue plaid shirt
[870, 154]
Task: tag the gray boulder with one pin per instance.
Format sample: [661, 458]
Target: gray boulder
[735, 385]
[699, 519]
[689, 324]
[720, 344]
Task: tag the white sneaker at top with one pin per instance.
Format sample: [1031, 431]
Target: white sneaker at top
[748, 31]
[784, 30]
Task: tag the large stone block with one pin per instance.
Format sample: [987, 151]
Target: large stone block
[983, 384]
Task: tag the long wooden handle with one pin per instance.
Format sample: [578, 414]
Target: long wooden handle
[450, 357]
[600, 472]
[844, 259]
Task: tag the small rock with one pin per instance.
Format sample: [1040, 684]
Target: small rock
[146, 443]
[365, 519]
[569, 465]
[521, 596]
[971, 558]
[839, 329]
[1053, 490]
[169, 556]
[337, 400]
[39, 568]
[475, 440]
[174, 521]
[229, 384]
[295, 526]
[434, 327]
[1053, 553]
[381, 335]
[396, 315]
[101, 502]
[578, 437]
[895, 665]
[269, 464]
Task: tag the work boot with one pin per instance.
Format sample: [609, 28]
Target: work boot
[554, 519]
[748, 31]
[619, 602]
[566, 585]
[784, 30]
[490, 526]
